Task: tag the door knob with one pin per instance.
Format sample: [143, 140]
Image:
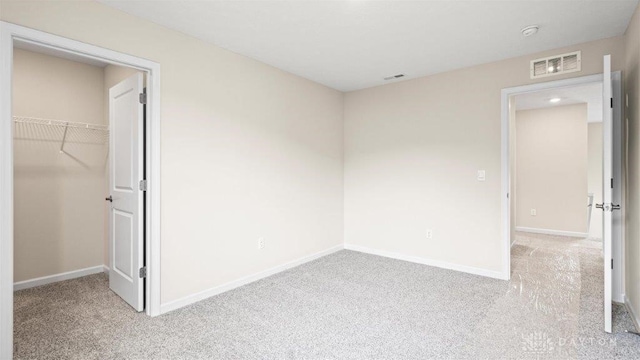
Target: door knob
[109, 199]
[608, 207]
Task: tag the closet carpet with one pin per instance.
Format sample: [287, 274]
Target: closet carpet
[348, 305]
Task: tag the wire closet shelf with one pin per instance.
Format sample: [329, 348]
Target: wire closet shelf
[31, 128]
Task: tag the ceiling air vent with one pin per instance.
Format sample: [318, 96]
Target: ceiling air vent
[554, 65]
[394, 77]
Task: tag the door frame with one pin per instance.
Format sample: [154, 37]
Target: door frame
[10, 34]
[618, 196]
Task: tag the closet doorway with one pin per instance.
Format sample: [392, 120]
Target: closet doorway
[80, 179]
[78, 135]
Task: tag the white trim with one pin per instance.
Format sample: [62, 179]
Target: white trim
[505, 201]
[153, 235]
[199, 296]
[632, 312]
[8, 34]
[618, 298]
[105, 269]
[6, 197]
[430, 262]
[21, 285]
[552, 232]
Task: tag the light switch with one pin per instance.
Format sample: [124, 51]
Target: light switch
[481, 175]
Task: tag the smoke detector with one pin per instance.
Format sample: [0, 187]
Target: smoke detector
[530, 30]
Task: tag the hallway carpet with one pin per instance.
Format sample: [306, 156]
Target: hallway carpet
[348, 305]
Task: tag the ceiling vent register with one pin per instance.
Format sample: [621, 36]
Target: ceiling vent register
[393, 77]
[555, 65]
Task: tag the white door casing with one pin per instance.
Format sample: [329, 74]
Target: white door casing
[607, 193]
[126, 220]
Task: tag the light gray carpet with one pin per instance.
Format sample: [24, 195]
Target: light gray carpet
[348, 306]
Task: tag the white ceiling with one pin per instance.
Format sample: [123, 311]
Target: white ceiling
[590, 94]
[354, 44]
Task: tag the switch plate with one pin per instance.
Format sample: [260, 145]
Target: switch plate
[481, 175]
[533, 212]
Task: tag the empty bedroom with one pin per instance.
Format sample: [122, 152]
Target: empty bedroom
[350, 179]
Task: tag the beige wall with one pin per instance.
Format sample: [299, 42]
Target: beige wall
[59, 198]
[632, 202]
[552, 164]
[594, 177]
[412, 150]
[247, 150]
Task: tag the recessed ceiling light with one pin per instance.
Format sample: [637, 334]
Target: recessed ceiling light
[530, 30]
[554, 100]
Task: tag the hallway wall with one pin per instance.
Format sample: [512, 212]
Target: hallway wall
[552, 164]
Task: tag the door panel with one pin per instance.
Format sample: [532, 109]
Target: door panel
[123, 248]
[126, 239]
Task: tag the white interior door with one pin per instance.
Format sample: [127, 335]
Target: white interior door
[126, 221]
[607, 194]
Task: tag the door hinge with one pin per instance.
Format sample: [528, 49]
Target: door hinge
[143, 98]
[143, 185]
[612, 183]
[611, 103]
[611, 264]
[143, 272]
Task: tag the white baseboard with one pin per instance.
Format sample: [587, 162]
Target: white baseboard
[20, 285]
[552, 232]
[105, 269]
[190, 299]
[618, 298]
[632, 312]
[436, 263]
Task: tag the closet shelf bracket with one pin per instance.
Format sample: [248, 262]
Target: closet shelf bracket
[64, 138]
